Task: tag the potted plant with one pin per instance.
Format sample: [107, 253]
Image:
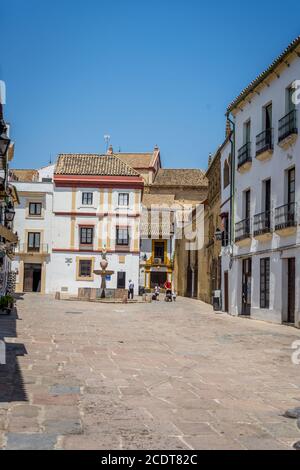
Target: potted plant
[6, 304]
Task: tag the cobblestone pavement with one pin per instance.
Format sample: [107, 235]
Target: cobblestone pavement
[144, 376]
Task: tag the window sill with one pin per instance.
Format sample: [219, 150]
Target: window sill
[86, 247]
[122, 247]
[79, 278]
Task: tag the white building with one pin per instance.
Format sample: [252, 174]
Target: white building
[264, 278]
[225, 214]
[92, 203]
[33, 222]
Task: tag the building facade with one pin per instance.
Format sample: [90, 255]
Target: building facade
[265, 259]
[34, 222]
[89, 203]
[225, 215]
[8, 201]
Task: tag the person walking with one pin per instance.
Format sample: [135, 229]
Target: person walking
[130, 289]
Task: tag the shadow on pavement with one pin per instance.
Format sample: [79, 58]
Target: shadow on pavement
[11, 381]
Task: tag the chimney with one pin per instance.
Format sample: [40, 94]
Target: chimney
[110, 150]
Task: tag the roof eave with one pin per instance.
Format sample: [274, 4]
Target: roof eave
[258, 80]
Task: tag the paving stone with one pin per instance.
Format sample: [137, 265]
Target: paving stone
[18, 441]
[60, 389]
[98, 442]
[20, 424]
[177, 378]
[59, 412]
[266, 443]
[63, 426]
[27, 411]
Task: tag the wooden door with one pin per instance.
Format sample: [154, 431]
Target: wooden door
[226, 293]
[291, 290]
[246, 286]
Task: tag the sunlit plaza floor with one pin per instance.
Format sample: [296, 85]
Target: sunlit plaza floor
[162, 375]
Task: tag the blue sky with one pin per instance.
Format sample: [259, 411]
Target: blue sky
[145, 72]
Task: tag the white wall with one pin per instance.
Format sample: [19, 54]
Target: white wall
[273, 168]
[62, 271]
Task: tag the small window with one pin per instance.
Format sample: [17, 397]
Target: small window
[159, 251]
[226, 174]
[265, 283]
[290, 104]
[247, 132]
[87, 199]
[85, 268]
[225, 231]
[34, 239]
[123, 199]
[121, 280]
[86, 235]
[35, 208]
[122, 236]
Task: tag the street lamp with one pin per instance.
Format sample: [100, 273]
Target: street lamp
[218, 234]
[4, 143]
[9, 213]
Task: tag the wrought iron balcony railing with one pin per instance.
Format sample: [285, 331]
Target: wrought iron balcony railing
[287, 125]
[244, 154]
[262, 223]
[285, 216]
[264, 141]
[25, 248]
[242, 230]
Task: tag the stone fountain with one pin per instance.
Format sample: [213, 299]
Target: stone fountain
[103, 272]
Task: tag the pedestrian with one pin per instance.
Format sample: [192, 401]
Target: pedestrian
[156, 292]
[130, 289]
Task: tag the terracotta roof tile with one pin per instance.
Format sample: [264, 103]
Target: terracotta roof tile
[180, 177]
[136, 160]
[92, 164]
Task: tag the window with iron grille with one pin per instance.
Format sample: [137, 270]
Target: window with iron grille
[122, 236]
[123, 199]
[85, 268]
[35, 208]
[86, 235]
[87, 199]
[265, 283]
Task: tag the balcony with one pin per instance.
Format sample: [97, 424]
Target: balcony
[243, 232]
[287, 129]
[264, 144]
[285, 218]
[262, 225]
[24, 249]
[244, 158]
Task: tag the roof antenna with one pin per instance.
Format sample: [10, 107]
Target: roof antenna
[50, 160]
[106, 140]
